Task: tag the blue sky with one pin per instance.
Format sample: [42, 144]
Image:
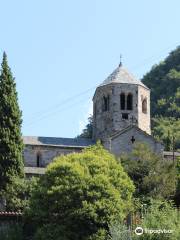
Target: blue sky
[60, 50]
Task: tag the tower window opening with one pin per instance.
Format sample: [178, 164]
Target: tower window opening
[125, 116]
[122, 101]
[106, 103]
[129, 101]
[38, 160]
[144, 105]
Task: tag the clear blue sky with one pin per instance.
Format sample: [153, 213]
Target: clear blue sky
[60, 48]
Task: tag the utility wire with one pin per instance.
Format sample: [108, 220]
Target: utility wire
[52, 114]
[51, 109]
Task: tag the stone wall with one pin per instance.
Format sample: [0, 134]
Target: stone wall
[46, 153]
[123, 143]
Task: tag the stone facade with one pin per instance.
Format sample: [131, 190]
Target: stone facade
[125, 140]
[41, 156]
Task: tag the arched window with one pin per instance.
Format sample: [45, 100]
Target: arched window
[106, 103]
[129, 101]
[122, 101]
[144, 105]
[39, 160]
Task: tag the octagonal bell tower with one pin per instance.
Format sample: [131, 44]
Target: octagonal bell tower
[119, 102]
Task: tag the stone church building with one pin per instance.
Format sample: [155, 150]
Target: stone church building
[121, 118]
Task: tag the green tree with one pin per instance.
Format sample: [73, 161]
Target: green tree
[164, 129]
[79, 195]
[88, 130]
[164, 81]
[152, 176]
[11, 146]
[17, 193]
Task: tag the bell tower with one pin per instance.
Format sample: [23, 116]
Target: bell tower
[119, 102]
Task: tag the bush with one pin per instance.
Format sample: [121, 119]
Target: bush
[17, 193]
[119, 232]
[161, 215]
[153, 177]
[79, 195]
[11, 232]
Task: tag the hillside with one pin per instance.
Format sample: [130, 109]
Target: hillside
[164, 81]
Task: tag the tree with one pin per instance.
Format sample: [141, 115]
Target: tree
[88, 130]
[17, 193]
[165, 129]
[11, 146]
[79, 195]
[152, 176]
[165, 104]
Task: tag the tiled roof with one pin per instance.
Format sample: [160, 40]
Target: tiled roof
[54, 141]
[121, 75]
[10, 213]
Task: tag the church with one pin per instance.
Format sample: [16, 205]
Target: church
[121, 118]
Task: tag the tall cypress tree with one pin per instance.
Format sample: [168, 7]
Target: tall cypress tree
[11, 145]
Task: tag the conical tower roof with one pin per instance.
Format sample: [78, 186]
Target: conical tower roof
[121, 75]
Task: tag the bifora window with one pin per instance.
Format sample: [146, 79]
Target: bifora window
[122, 101]
[129, 101]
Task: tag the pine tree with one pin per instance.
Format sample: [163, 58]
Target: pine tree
[11, 145]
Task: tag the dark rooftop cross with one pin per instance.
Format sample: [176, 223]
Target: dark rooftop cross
[133, 139]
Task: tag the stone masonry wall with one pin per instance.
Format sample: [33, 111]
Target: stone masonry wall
[47, 154]
[123, 144]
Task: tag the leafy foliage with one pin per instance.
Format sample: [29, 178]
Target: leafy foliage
[17, 193]
[119, 231]
[177, 194]
[11, 146]
[12, 232]
[161, 215]
[164, 82]
[79, 195]
[165, 129]
[152, 176]
[88, 130]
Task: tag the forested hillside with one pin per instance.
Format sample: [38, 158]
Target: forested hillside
[164, 82]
